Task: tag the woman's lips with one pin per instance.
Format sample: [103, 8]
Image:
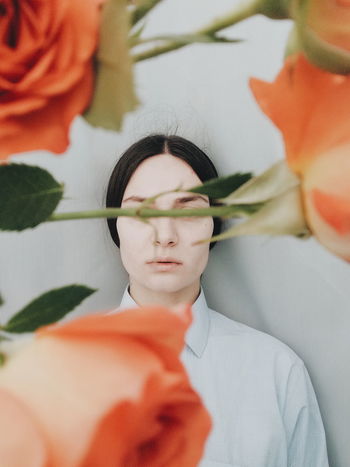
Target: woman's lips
[162, 266]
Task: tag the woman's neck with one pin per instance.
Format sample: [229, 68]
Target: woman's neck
[144, 296]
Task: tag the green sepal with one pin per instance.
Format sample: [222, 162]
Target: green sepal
[136, 34]
[293, 44]
[222, 186]
[242, 210]
[318, 51]
[114, 93]
[274, 9]
[282, 215]
[273, 182]
[192, 38]
[142, 9]
[28, 196]
[322, 54]
[214, 38]
[48, 308]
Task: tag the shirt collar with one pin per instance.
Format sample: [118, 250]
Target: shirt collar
[197, 335]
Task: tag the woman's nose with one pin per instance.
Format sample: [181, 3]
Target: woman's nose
[165, 232]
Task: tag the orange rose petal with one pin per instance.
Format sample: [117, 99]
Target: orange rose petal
[18, 107]
[48, 82]
[334, 210]
[113, 437]
[74, 383]
[330, 20]
[54, 13]
[153, 323]
[85, 42]
[159, 432]
[300, 103]
[53, 85]
[5, 84]
[21, 443]
[181, 412]
[17, 135]
[11, 69]
[41, 69]
[168, 437]
[50, 68]
[30, 28]
[280, 101]
[114, 389]
[69, 48]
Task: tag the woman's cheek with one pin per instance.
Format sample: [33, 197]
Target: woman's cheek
[132, 242]
[202, 226]
[130, 229]
[202, 222]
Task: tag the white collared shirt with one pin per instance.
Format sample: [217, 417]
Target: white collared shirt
[257, 390]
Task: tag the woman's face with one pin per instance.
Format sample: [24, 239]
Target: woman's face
[141, 251]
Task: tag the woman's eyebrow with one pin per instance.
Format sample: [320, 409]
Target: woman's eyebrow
[181, 199]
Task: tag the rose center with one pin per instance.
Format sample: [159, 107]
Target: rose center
[3, 9]
[12, 10]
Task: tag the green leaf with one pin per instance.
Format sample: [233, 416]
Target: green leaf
[48, 308]
[273, 182]
[28, 195]
[223, 186]
[1, 300]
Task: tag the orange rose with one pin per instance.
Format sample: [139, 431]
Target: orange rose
[46, 75]
[311, 108]
[323, 32]
[102, 391]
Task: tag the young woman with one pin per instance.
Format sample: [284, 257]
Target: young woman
[258, 391]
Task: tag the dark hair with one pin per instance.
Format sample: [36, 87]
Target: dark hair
[149, 146]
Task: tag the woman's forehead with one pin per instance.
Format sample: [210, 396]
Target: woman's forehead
[161, 173]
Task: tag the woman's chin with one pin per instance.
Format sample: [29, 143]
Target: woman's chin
[166, 283]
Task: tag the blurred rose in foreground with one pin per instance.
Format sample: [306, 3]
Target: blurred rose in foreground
[102, 391]
[46, 75]
[324, 33]
[311, 108]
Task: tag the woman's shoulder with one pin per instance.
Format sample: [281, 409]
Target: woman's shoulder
[232, 334]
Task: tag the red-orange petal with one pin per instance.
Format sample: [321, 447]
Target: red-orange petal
[310, 107]
[334, 210]
[155, 325]
[46, 128]
[329, 19]
[167, 426]
[47, 78]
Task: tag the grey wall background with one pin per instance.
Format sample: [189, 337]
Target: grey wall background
[294, 290]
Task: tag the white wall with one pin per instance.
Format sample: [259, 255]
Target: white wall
[294, 290]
